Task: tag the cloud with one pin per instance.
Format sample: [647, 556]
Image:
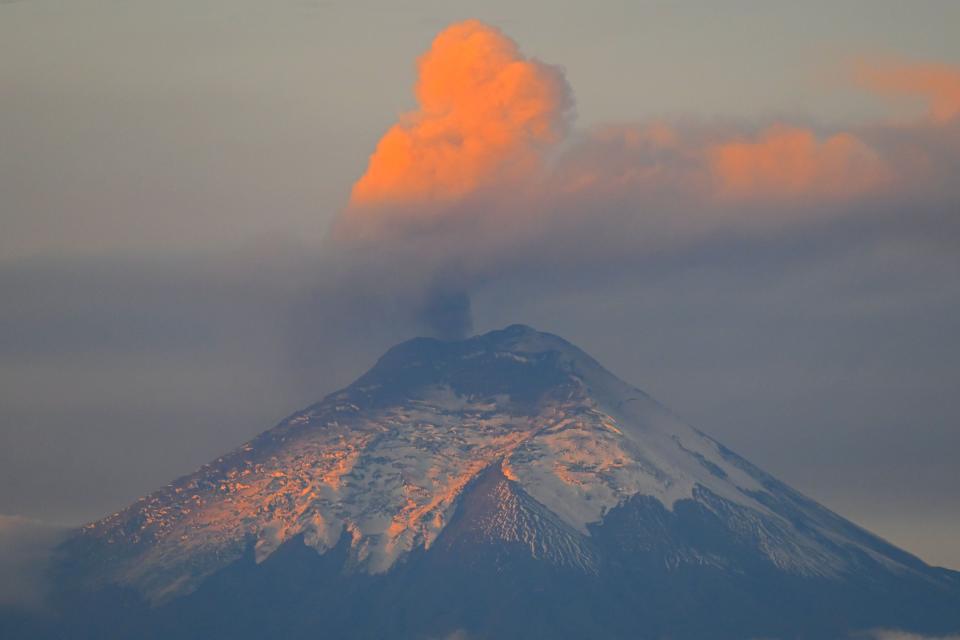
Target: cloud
[937, 84]
[485, 114]
[782, 161]
[786, 161]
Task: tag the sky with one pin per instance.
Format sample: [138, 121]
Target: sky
[215, 212]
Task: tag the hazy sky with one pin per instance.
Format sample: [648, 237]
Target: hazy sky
[169, 171]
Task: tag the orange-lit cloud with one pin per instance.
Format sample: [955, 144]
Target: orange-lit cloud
[485, 113]
[716, 166]
[938, 84]
[792, 162]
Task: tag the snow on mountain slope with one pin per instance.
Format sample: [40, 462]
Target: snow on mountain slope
[552, 441]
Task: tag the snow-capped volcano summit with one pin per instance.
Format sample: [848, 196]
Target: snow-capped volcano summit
[513, 479]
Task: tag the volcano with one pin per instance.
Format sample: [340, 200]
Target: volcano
[503, 486]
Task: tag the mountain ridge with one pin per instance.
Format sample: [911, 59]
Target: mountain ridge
[507, 456]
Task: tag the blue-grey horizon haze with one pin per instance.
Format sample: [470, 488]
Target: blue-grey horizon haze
[169, 173]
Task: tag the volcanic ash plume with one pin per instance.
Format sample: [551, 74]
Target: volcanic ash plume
[486, 116]
[473, 186]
